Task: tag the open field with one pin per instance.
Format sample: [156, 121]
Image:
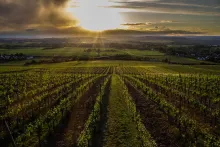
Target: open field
[79, 53]
[155, 67]
[110, 104]
[72, 51]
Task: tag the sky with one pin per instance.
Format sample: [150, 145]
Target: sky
[55, 17]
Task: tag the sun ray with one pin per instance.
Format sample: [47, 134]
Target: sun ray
[102, 42]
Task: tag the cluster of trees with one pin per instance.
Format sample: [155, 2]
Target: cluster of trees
[59, 59]
[88, 50]
[200, 52]
[138, 45]
[13, 57]
[59, 43]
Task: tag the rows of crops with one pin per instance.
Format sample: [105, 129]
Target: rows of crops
[108, 106]
[189, 103]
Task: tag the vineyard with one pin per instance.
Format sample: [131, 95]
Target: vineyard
[111, 106]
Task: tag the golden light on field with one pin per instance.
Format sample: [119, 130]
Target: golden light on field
[95, 15]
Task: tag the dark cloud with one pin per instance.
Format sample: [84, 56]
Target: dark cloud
[162, 32]
[134, 24]
[22, 14]
[161, 28]
[195, 7]
[31, 30]
[46, 31]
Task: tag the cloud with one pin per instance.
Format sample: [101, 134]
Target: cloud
[135, 24]
[30, 14]
[141, 25]
[50, 16]
[152, 32]
[160, 28]
[163, 26]
[189, 7]
[67, 32]
[148, 23]
[46, 31]
[166, 21]
[30, 30]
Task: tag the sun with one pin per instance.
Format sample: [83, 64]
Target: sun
[95, 15]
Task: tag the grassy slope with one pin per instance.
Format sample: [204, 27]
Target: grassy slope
[151, 67]
[121, 129]
[77, 51]
[143, 52]
[198, 69]
[80, 52]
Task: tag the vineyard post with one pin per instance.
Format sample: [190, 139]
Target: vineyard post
[23, 117]
[100, 89]
[100, 106]
[200, 89]
[12, 138]
[39, 134]
[41, 77]
[16, 85]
